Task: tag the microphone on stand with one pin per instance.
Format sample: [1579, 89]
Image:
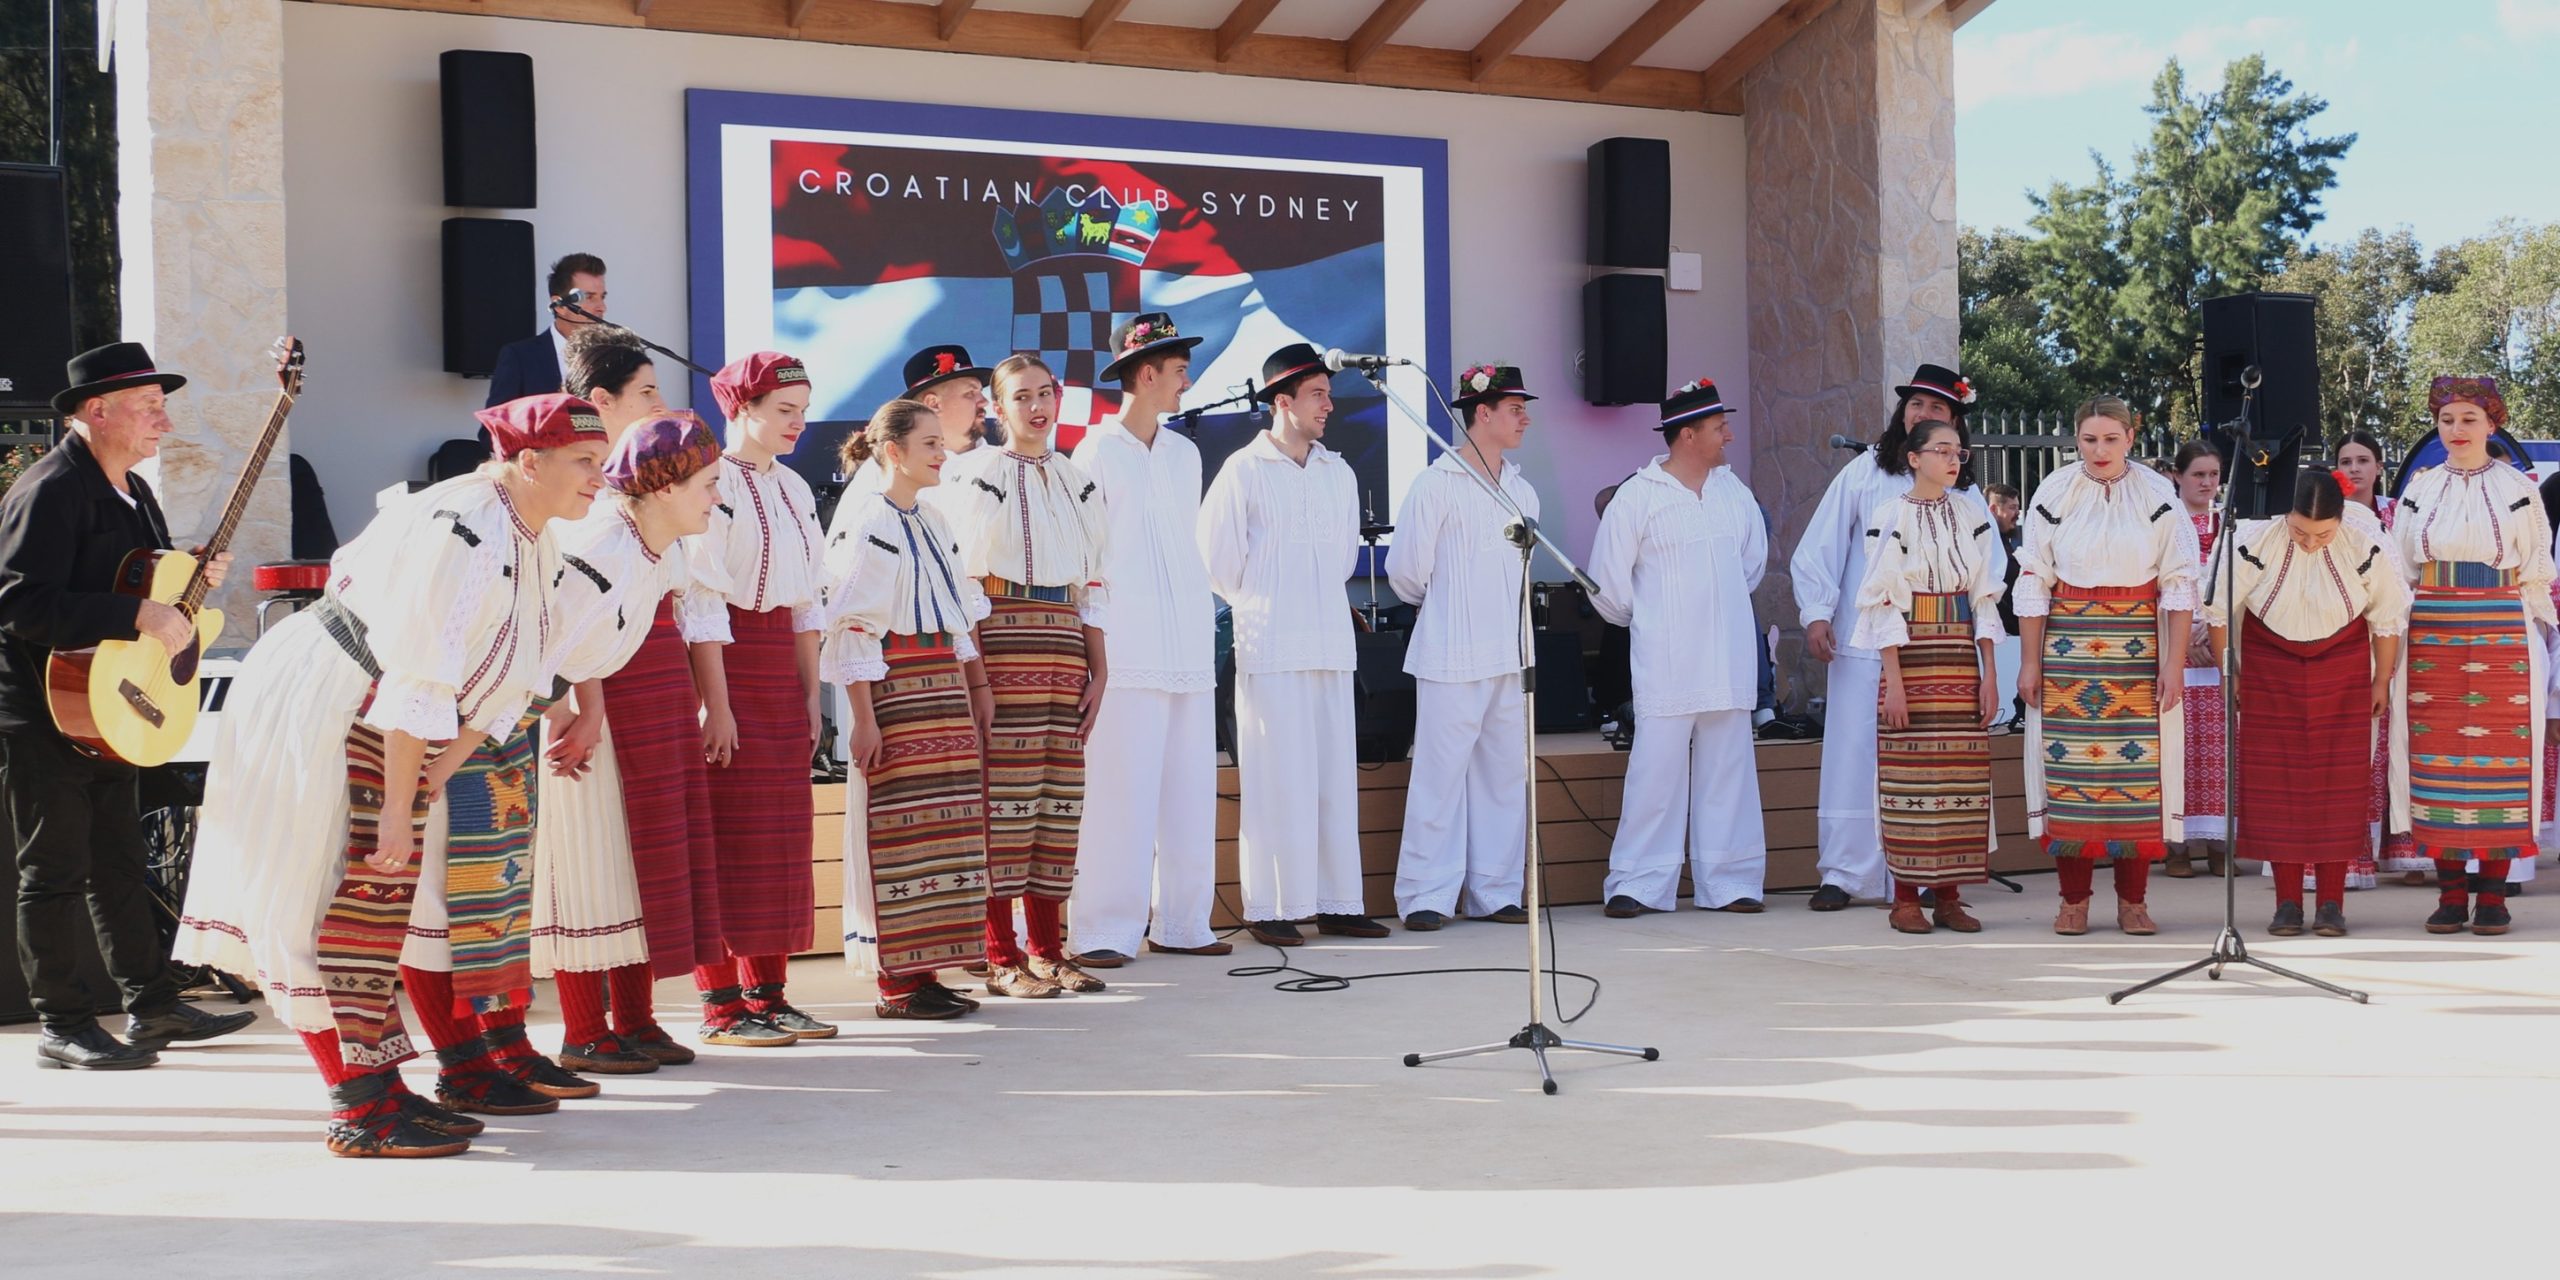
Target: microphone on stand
[1337, 360]
[569, 302]
[1844, 442]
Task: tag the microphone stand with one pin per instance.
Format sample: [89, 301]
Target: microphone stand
[1190, 418]
[2228, 947]
[1521, 532]
[591, 318]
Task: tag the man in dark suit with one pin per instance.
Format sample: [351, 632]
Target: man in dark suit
[533, 366]
[71, 821]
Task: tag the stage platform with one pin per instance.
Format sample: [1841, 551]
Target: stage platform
[1581, 782]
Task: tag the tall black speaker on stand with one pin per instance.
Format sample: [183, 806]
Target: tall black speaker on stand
[2261, 362]
[36, 334]
[1625, 339]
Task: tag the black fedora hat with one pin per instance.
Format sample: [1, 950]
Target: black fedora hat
[1148, 333]
[1282, 370]
[1693, 403]
[117, 366]
[1942, 382]
[941, 364]
[1484, 383]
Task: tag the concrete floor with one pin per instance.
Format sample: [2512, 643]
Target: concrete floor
[1831, 1096]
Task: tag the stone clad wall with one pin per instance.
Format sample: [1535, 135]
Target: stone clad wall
[200, 123]
[1850, 139]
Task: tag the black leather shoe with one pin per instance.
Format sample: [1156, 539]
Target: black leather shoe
[1276, 933]
[1623, 907]
[1743, 907]
[2330, 921]
[1513, 914]
[90, 1049]
[2288, 920]
[184, 1021]
[1425, 922]
[2490, 918]
[1830, 897]
[1344, 925]
[2450, 917]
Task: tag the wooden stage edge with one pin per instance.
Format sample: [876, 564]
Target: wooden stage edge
[1580, 784]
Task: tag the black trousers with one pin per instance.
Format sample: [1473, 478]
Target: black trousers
[75, 827]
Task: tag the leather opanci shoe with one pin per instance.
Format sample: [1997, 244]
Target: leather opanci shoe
[1623, 907]
[2135, 919]
[1103, 959]
[1951, 915]
[2330, 921]
[1425, 922]
[654, 1041]
[1276, 933]
[1345, 925]
[1830, 897]
[2072, 920]
[1066, 973]
[183, 1022]
[1221, 947]
[1743, 907]
[606, 1057]
[1908, 917]
[89, 1048]
[1513, 914]
[2287, 922]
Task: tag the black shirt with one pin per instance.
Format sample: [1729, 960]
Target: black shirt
[63, 533]
[2009, 540]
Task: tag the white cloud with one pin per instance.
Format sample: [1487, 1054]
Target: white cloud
[2529, 19]
[2070, 59]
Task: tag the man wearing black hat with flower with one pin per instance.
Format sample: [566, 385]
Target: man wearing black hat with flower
[73, 822]
[1677, 556]
[1828, 565]
[943, 379]
[1280, 530]
[1466, 809]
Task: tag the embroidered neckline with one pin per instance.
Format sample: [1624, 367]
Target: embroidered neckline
[2457, 472]
[637, 536]
[514, 517]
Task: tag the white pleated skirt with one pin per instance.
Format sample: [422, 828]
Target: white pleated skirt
[586, 894]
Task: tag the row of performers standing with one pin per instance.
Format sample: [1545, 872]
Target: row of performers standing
[2333, 716]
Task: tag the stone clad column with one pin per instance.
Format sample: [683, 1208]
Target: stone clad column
[200, 134]
[1849, 131]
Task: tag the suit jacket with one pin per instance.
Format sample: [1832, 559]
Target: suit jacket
[63, 534]
[526, 367]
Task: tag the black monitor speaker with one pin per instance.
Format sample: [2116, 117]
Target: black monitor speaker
[488, 129]
[36, 335]
[2261, 355]
[489, 290]
[1382, 707]
[1624, 345]
[1630, 203]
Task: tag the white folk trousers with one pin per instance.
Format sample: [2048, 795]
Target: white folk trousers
[1845, 821]
[1150, 829]
[1298, 850]
[1466, 808]
[1693, 783]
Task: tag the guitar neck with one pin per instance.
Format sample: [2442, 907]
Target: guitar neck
[238, 506]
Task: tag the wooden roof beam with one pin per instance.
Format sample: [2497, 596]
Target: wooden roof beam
[1243, 22]
[1639, 39]
[1383, 23]
[947, 19]
[1724, 78]
[1516, 26]
[1097, 19]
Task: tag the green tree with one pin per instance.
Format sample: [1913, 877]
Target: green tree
[2006, 351]
[88, 150]
[2365, 292]
[2495, 310]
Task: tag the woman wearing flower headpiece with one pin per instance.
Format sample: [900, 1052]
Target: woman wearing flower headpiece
[2478, 548]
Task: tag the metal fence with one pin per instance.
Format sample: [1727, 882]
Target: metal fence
[2021, 449]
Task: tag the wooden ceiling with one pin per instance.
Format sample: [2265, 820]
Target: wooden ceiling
[1681, 55]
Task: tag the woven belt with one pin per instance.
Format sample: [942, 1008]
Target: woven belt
[1941, 606]
[922, 642]
[1017, 591]
[348, 630]
[2139, 591]
[2464, 575]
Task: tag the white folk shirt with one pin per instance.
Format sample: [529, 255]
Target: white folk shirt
[1160, 616]
[1450, 558]
[1036, 522]
[764, 542]
[2492, 516]
[1938, 547]
[1678, 569]
[1280, 539]
[454, 590]
[893, 571]
[610, 586]
[2085, 532]
[1830, 561]
[2308, 596]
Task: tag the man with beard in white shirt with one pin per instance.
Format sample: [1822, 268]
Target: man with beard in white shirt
[1466, 812]
[1676, 559]
[1280, 531]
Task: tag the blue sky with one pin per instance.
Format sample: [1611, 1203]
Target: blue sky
[2455, 102]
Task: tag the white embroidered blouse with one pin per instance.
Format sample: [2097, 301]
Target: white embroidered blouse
[1830, 560]
[2307, 596]
[764, 542]
[893, 570]
[1159, 614]
[1936, 547]
[2086, 532]
[2491, 516]
[1038, 522]
[610, 585]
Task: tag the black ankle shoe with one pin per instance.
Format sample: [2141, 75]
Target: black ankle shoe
[515, 1051]
[473, 1081]
[2330, 921]
[369, 1122]
[1830, 897]
[2288, 921]
[2450, 917]
[2490, 919]
[1623, 907]
[434, 1119]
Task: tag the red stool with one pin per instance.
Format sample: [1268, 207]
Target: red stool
[290, 583]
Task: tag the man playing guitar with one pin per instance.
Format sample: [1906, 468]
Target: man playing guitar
[71, 820]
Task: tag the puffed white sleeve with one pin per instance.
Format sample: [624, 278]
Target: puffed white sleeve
[809, 615]
[1613, 560]
[2537, 571]
[1882, 601]
[1346, 509]
[2032, 595]
[425, 661]
[1991, 577]
[1417, 544]
[1223, 540]
[2177, 560]
[1987, 532]
[589, 627]
[1093, 512]
[861, 591]
[702, 606]
[1755, 541]
[1822, 555]
[2212, 609]
[2386, 606]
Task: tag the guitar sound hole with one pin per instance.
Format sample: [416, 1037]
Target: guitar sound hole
[182, 668]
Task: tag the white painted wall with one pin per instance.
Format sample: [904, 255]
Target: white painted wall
[364, 197]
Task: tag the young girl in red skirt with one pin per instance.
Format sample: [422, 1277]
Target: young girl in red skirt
[2322, 612]
[761, 714]
[2199, 479]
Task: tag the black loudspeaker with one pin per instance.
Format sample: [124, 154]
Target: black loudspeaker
[1630, 203]
[1382, 699]
[489, 285]
[1623, 340]
[488, 129]
[2273, 334]
[35, 275]
[1564, 693]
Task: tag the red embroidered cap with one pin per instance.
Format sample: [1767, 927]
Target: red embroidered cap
[749, 377]
[2480, 391]
[540, 422]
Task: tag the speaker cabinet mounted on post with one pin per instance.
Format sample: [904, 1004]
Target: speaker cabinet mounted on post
[1624, 344]
[489, 288]
[36, 333]
[1629, 203]
[488, 129]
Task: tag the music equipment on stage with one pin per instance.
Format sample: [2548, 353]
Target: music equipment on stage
[1629, 203]
[488, 281]
[1337, 360]
[1564, 693]
[488, 129]
[288, 582]
[1370, 533]
[1381, 698]
[1624, 340]
[1839, 441]
[36, 338]
[2261, 359]
[133, 700]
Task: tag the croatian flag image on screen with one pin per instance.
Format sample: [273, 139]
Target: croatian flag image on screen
[854, 233]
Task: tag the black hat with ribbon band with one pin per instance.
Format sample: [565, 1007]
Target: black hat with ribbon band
[1486, 383]
[1695, 402]
[117, 366]
[941, 364]
[1284, 369]
[1942, 382]
[1148, 333]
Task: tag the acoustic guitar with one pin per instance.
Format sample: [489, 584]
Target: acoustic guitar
[133, 700]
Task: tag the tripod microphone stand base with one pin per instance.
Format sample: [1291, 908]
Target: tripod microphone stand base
[2228, 950]
[1537, 1039]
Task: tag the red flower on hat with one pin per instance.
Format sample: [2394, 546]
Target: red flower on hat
[946, 363]
[1146, 331]
[1964, 391]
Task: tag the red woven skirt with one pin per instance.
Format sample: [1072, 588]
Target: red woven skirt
[927, 813]
[666, 799]
[1034, 652]
[2305, 761]
[761, 802]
